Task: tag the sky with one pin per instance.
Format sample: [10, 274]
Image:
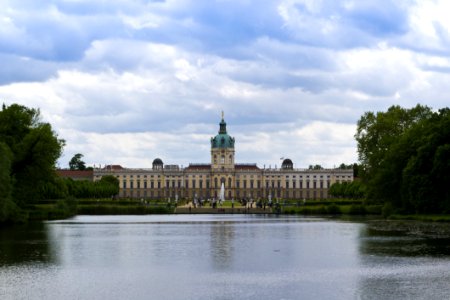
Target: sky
[126, 81]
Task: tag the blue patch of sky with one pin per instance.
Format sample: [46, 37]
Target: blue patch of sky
[379, 20]
[360, 25]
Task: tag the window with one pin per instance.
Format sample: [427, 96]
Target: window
[222, 159]
[229, 181]
[159, 184]
[200, 184]
[145, 184]
[124, 183]
[193, 183]
[152, 184]
[287, 184]
[215, 159]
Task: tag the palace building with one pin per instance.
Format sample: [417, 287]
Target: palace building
[240, 180]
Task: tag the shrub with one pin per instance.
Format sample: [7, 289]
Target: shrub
[387, 210]
[357, 210]
[333, 209]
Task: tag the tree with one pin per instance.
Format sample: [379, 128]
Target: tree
[406, 159]
[7, 206]
[424, 176]
[376, 135]
[76, 163]
[35, 149]
[315, 167]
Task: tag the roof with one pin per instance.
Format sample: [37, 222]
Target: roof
[75, 174]
[287, 164]
[198, 167]
[157, 161]
[113, 167]
[222, 139]
[246, 167]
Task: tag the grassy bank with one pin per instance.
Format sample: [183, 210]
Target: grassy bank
[333, 209]
[65, 208]
[420, 217]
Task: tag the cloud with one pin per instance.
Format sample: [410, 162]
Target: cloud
[127, 81]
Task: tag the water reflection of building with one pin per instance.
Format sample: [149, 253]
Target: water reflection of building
[241, 180]
[222, 238]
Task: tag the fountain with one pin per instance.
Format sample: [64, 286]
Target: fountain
[222, 193]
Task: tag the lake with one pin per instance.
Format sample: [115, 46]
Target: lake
[219, 257]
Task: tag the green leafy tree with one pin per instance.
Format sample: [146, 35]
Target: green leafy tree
[7, 207]
[376, 136]
[113, 184]
[350, 190]
[315, 167]
[35, 149]
[76, 163]
[409, 167]
[424, 178]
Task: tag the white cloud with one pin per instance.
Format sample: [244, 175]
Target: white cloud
[125, 82]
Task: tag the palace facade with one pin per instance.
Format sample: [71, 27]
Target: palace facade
[241, 180]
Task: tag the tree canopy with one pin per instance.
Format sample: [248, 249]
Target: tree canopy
[315, 167]
[405, 157]
[76, 163]
[33, 149]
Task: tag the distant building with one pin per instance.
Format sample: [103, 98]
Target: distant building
[241, 180]
[76, 174]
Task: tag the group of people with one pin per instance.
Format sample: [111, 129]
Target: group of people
[213, 202]
[260, 203]
[246, 202]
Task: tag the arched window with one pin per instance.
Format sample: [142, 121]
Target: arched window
[215, 159]
[215, 182]
[229, 182]
[222, 159]
[231, 159]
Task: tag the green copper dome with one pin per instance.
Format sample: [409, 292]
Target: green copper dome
[222, 140]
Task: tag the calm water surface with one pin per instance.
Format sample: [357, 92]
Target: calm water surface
[218, 257]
